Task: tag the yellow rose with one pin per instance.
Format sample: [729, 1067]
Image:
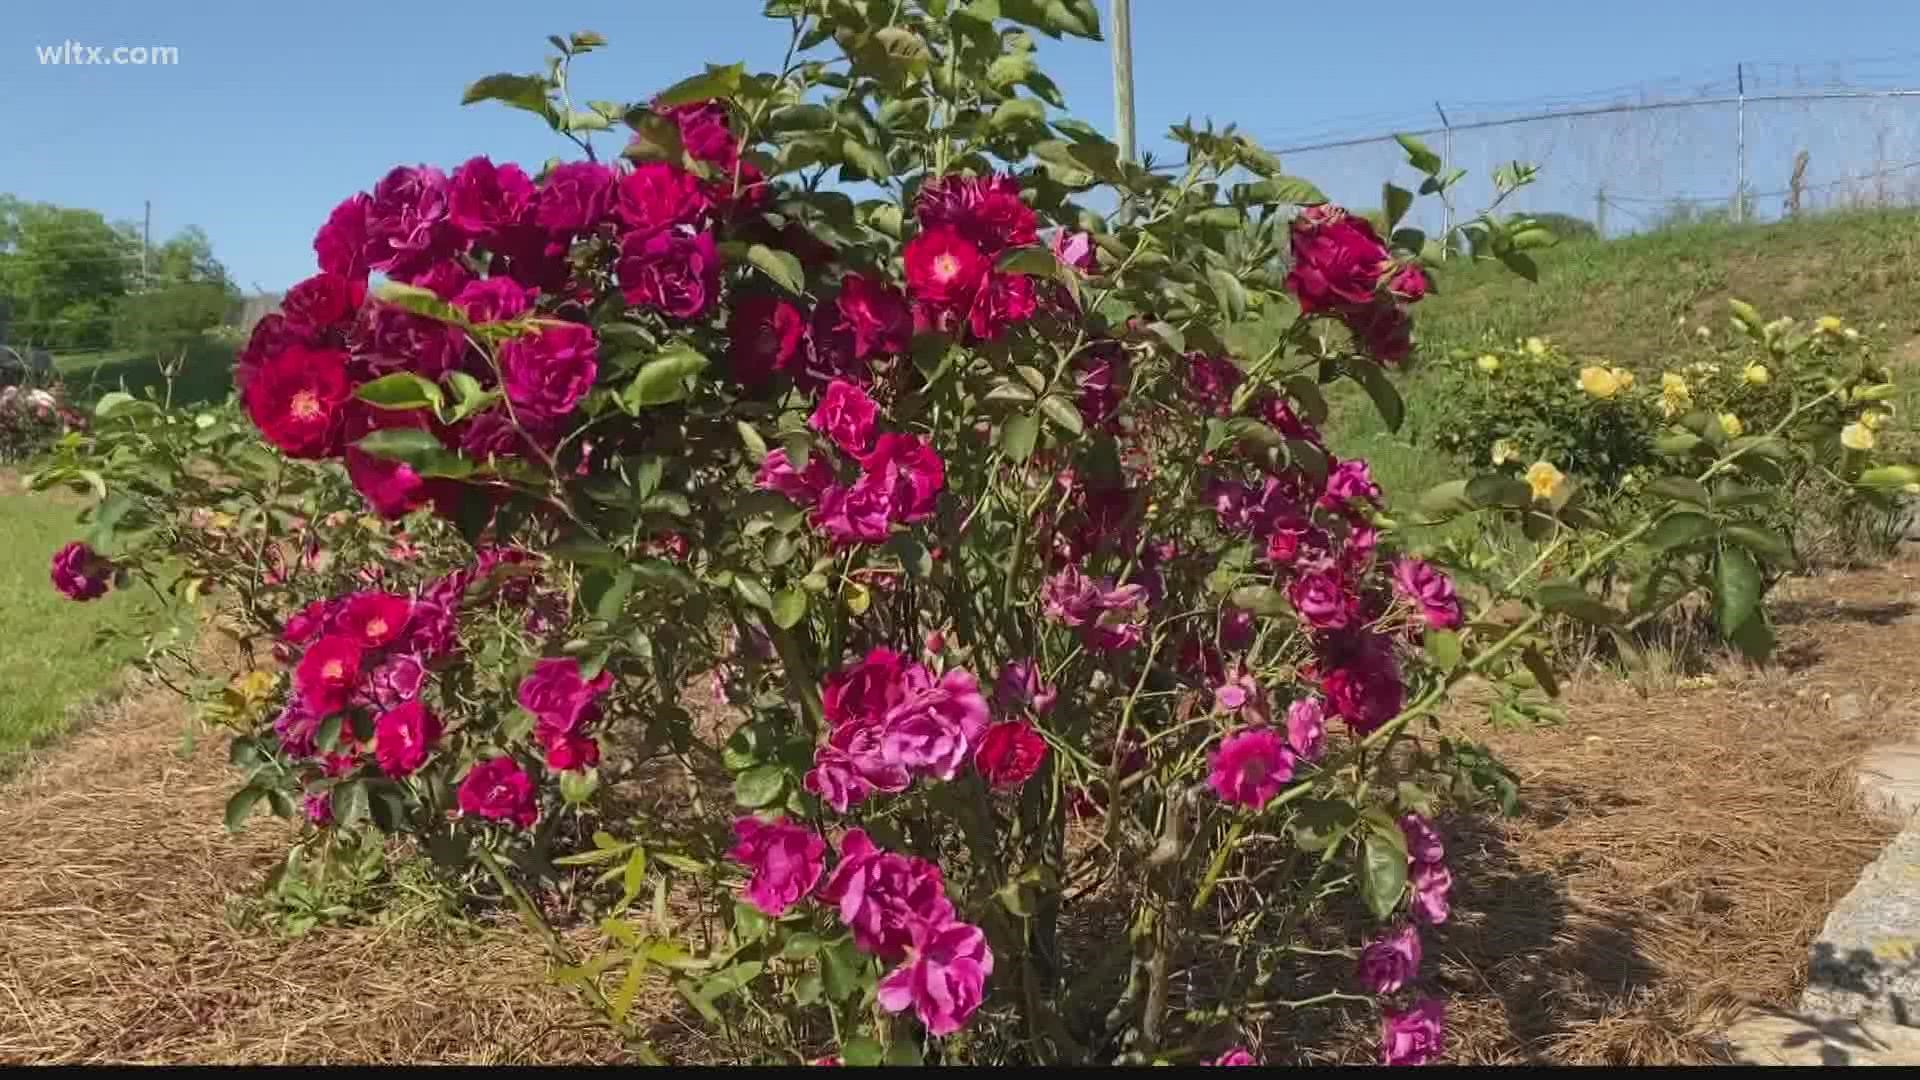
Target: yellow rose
[1731, 424]
[1828, 323]
[1504, 451]
[1488, 363]
[1853, 335]
[1599, 382]
[1546, 481]
[1703, 333]
[1856, 437]
[1674, 396]
[1623, 377]
[1757, 375]
[1874, 421]
[1537, 346]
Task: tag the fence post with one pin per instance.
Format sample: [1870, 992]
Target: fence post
[1740, 146]
[1123, 78]
[1600, 211]
[1446, 162]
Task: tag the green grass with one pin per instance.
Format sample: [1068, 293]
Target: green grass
[50, 659]
[205, 376]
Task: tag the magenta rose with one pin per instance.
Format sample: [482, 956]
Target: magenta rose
[1430, 589]
[937, 723]
[1323, 601]
[944, 269]
[881, 895]
[677, 275]
[403, 737]
[390, 339]
[327, 674]
[575, 197]
[374, 619]
[406, 226]
[341, 243]
[484, 198]
[323, 302]
[298, 399]
[497, 789]
[1414, 1036]
[1410, 284]
[1211, 380]
[1004, 300]
[1010, 753]
[396, 680]
[547, 372]
[787, 861]
[1431, 883]
[944, 976]
[567, 753]
[1337, 260]
[494, 299]
[80, 573]
[1021, 686]
[876, 314]
[858, 514]
[1074, 249]
[656, 197]
[1390, 962]
[1249, 767]
[1349, 480]
[1423, 841]
[846, 416]
[1306, 728]
[1365, 693]
[907, 472]
[986, 210]
[556, 694]
[1383, 329]
[1239, 1055]
[803, 486]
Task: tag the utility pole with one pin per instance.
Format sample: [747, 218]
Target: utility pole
[1600, 211]
[146, 239]
[1123, 78]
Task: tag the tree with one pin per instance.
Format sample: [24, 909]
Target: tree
[161, 323]
[61, 270]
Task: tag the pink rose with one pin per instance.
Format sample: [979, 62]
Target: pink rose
[677, 275]
[1390, 962]
[1074, 249]
[547, 372]
[374, 619]
[1414, 1036]
[656, 197]
[1323, 601]
[327, 674]
[80, 573]
[803, 486]
[1306, 728]
[1249, 767]
[1236, 1056]
[938, 722]
[558, 697]
[1430, 589]
[574, 198]
[1431, 882]
[907, 472]
[1337, 260]
[846, 415]
[944, 976]
[787, 862]
[494, 299]
[484, 198]
[881, 894]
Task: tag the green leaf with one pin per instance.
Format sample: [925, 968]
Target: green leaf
[1306, 393]
[1754, 638]
[862, 1052]
[1889, 477]
[418, 449]
[1017, 112]
[1573, 600]
[1520, 263]
[1493, 490]
[1062, 412]
[1446, 499]
[469, 396]
[1677, 443]
[1017, 436]
[789, 607]
[241, 805]
[1281, 189]
[400, 390]
[604, 592]
[1231, 295]
[349, 802]
[1383, 872]
[1381, 389]
[387, 806]
[759, 786]
[1320, 823]
[1397, 201]
[1418, 155]
[1680, 527]
[1443, 648]
[781, 266]
[111, 401]
[1736, 589]
[1528, 239]
[753, 591]
[419, 301]
[1681, 488]
[867, 162]
[527, 92]
[716, 82]
[664, 378]
[1764, 542]
[1034, 260]
[1261, 600]
[844, 970]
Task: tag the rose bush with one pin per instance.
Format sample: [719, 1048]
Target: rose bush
[32, 417]
[875, 609]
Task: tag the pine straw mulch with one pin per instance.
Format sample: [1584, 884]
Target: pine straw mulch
[115, 943]
[1674, 856]
[1677, 848]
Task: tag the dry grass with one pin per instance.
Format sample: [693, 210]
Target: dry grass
[117, 947]
[1677, 852]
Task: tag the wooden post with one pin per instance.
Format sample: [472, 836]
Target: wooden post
[1123, 78]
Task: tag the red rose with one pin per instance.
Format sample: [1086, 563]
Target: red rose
[1337, 260]
[484, 198]
[943, 268]
[1007, 299]
[678, 275]
[876, 314]
[296, 399]
[499, 790]
[327, 674]
[574, 198]
[403, 737]
[846, 415]
[341, 243]
[657, 196]
[407, 227]
[1383, 329]
[1010, 753]
[323, 302]
[985, 210]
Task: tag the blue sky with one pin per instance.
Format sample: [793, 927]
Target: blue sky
[277, 111]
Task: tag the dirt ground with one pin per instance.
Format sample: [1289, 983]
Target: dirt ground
[1676, 851]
